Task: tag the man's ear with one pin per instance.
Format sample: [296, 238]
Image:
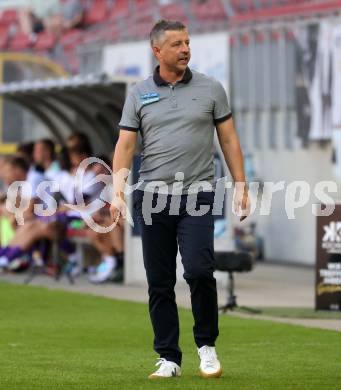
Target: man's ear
[156, 51]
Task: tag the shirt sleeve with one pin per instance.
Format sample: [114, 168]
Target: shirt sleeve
[130, 119]
[222, 110]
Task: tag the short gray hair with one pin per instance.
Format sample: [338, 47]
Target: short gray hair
[162, 26]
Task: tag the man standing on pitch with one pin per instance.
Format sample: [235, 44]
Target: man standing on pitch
[176, 111]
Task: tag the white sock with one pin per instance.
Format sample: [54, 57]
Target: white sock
[4, 261]
[73, 258]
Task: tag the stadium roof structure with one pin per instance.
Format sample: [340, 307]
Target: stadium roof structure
[91, 104]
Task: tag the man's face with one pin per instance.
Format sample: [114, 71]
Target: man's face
[173, 50]
[40, 153]
[12, 174]
[76, 159]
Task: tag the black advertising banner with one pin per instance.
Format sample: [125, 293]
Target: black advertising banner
[328, 262]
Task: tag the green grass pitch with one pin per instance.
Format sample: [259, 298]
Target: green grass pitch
[59, 340]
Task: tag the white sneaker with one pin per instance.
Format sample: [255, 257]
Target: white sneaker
[167, 369]
[210, 366]
[20, 263]
[3, 262]
[103, 272]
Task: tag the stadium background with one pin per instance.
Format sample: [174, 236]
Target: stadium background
[279, 61]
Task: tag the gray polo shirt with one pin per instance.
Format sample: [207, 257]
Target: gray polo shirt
[177, 125]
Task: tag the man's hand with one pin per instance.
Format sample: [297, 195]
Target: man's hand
[118, 209]
[230, 146]
[241, 200]
[123, 158]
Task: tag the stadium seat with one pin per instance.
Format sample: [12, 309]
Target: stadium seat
[120, 9]
[144, 5]
[246, 6]
[210, 10]
[72, 37]
[173, 12]
[141, 30]
[96, 13]
[91, 36]
[286, 10]
[45, 41]
[4, 33]
[240, 6]
[20, 41]
[110, 34]
[8, 17]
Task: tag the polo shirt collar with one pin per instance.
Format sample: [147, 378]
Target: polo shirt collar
[158, 80]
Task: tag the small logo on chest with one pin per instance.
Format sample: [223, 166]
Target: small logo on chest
[148, 98]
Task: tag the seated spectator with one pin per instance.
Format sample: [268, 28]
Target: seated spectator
[39, 15]
[77, 149]
[79, 139]
[28, 238]
[2, 166]
[110, 245]
[72, 13]
[100, 169]
[33, 231]
[71, 190]
[44, 155]
[26, 242]
[35, 174]
[16, 169]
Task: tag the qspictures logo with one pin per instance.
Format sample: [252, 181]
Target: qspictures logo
[331, 240]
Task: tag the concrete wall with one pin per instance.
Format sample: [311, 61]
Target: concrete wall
[285, 239]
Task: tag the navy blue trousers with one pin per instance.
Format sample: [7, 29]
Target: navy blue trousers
[193, 235]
